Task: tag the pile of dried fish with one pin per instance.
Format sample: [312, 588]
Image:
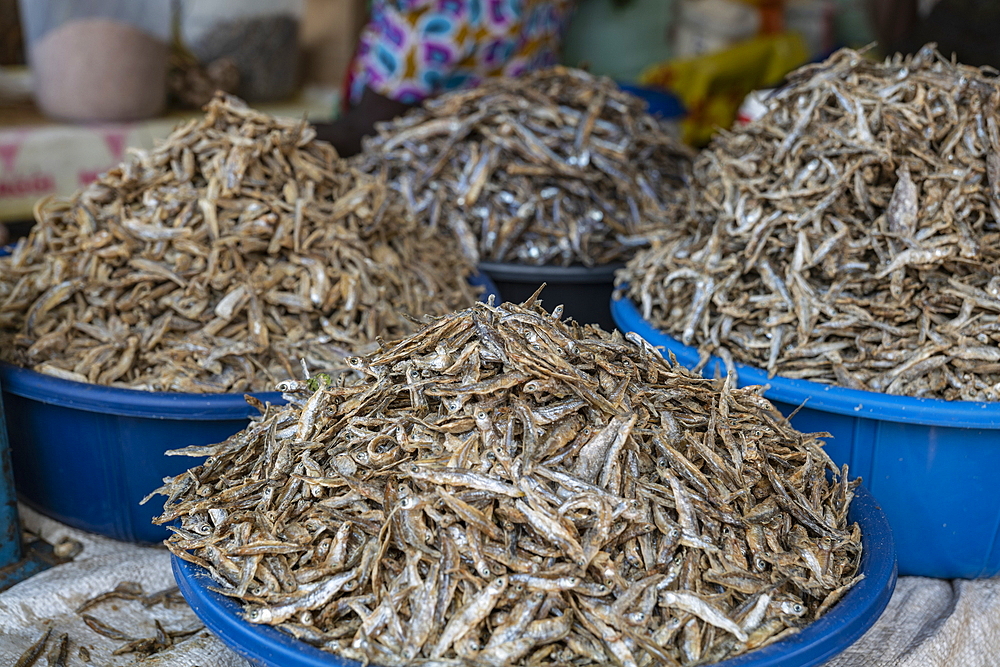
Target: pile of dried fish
[217, 261]
[555, 167]
[505, 488]
[850, 235]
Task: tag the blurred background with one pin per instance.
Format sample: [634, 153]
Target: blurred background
[81, 81]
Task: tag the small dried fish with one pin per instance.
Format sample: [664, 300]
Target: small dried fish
[510, 489]
[59, 651]
[218, 260]
[125, 590]
[850, 236]
[31, 655]
[553, 167]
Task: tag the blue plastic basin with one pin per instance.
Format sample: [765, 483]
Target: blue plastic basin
[819, 641]
[934, 465]
[86, 454]
[659, 101]
[840, 627]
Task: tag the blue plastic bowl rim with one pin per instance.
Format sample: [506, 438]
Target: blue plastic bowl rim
[840, 627]
[148, 404]
[556, 275]
[817, 396]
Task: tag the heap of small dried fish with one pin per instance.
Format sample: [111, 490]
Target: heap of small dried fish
[850, 235]
[217, 261]
[555, 167]
[505, 488]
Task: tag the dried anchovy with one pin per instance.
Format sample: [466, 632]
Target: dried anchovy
[507, 488]
[217, 261]
[849, 236]
[141, 647]
[555, 167]
[33, 652]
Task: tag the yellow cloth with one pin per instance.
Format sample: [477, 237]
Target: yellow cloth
[712, 86]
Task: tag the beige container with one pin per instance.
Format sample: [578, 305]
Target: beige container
[98, 60]
[99, 70]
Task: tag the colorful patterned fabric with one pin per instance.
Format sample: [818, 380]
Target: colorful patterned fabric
[412, 49]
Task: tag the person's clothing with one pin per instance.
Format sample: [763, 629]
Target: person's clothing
[412, 49]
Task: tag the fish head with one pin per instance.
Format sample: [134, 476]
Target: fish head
[636, 618]
[259, 615]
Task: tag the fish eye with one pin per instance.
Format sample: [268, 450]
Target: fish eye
[574, 581]
[519, 587]
[531, 386]
[306, 618]
[414, 468]
[362, 457]
[354, 361]
[675, 533]
[797, 608]
[351, 585]
[414, 373]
